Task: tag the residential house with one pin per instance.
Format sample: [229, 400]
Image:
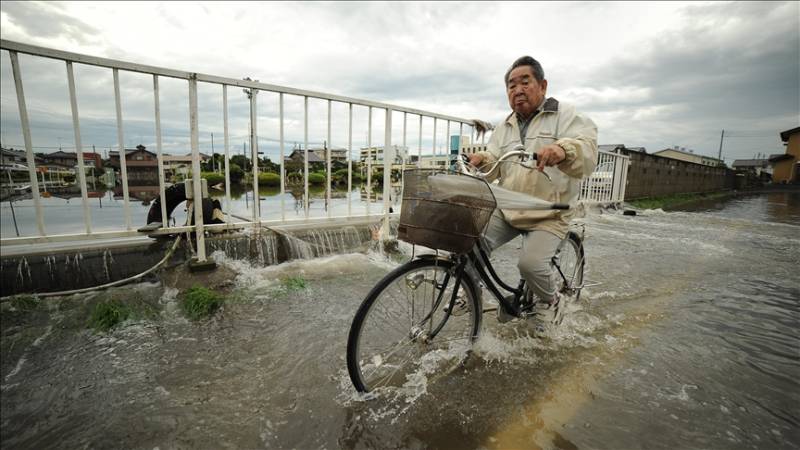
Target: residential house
[298, 156]
[180, 164]
[69, 160]
[760, 168]
[9, 157]
[140, 163]
[786, 167]
[682, 154]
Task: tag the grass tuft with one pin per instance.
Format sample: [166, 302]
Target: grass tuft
[25, 302]
[108, 314]
[199, 302]
[294, 283]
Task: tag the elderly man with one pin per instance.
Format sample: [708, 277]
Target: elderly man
[565, 143]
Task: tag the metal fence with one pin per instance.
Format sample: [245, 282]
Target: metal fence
[605, 185]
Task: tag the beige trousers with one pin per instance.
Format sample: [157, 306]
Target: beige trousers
[535, 259]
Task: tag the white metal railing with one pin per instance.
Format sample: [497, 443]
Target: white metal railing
[607, 184]
[254, 87]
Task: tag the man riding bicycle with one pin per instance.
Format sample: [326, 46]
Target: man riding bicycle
[565, 143]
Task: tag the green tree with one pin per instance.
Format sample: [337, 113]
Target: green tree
[242, 161]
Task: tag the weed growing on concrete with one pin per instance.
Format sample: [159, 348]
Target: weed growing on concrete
[294, 283]
[25, 302]
[199, 302]
[105, 315]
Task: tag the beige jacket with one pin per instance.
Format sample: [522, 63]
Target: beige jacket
[557, 123]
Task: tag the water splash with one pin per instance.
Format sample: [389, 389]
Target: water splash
[23, 269]
[108, 259]
[51, 266]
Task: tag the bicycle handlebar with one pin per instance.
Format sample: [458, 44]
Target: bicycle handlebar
[465, 168]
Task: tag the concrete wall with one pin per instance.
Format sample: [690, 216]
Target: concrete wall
[64, 270]
[654, 176]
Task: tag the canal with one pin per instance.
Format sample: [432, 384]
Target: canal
[686, 338]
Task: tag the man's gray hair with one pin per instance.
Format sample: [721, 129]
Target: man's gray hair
[538, 72]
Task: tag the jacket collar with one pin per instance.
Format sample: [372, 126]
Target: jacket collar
[550, 105]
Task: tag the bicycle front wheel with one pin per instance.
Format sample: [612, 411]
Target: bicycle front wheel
[570, 262]
[411, 318]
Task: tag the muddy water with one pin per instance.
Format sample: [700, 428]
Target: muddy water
[688, 338]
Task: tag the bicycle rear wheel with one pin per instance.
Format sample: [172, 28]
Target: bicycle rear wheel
[407, 321]
[569, 260]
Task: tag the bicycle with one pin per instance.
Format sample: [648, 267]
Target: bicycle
[430, 308]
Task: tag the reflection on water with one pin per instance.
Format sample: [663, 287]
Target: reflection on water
[686, 339]
[63, 208]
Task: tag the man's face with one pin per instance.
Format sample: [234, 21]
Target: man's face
[525, 94]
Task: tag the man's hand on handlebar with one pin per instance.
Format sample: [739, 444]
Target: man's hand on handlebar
[549, 155]
[475, 160]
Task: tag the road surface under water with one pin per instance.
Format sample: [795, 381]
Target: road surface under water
[687, 338]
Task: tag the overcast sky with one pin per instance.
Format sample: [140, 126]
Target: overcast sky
[655, 75]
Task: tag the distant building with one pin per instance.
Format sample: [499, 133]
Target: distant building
[69, 160]
[9, 157]
[469, 149]
[178, 163]
[140, 163]
[318, 155]
[375, 154]
[298, 156]
[756, 167]
[688, 156]
[786, 167]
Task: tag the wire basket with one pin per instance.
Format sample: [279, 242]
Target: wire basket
[444, 210]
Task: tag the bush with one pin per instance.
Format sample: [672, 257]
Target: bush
[269, 179]
[199, 302]
[213, 178]
[316, 178]
[340, 176]
[236, 173]
[108, 314]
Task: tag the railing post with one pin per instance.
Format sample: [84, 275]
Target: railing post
[160, 155]
[283, 157]
[254, 155]
[328, 150]
[197, 182]
[226, 139]
[447, 146]
[405, 155]
[305, 155]
[369, 160]
[435, 161]
[73, 101]
[624, 179]
[350, 160]
[388, 159]
[122, 155]
[419, 148]
[26, 135]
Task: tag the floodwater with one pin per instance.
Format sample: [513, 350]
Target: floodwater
[687, 338]
[63, 212]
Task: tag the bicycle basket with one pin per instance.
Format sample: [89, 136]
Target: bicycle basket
[443, 210]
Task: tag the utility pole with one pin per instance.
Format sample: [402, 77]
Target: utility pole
[721, 137]
[213, 163]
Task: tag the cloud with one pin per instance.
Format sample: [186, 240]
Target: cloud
[727, 66]
[650, 74]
